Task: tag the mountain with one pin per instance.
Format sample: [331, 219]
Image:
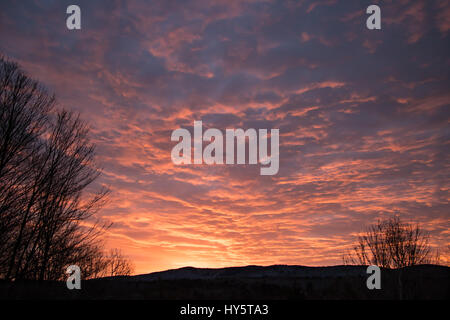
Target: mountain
[249, 272]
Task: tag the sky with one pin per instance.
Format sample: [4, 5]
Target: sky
[363, 118]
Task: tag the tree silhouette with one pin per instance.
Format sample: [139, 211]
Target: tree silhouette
[391, 244]
[24, 112]
[116, 265]
[47, 162]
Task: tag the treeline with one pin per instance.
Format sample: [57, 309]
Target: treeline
[47, 162]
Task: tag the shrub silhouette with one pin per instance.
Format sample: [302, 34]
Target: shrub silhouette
[391, 244]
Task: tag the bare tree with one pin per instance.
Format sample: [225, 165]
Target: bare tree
[391, 244]
[117, 264]
[47, 162]
[24, 115]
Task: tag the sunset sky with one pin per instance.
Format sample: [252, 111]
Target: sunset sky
[363, 118]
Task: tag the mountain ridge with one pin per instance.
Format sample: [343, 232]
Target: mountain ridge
[256, 271]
